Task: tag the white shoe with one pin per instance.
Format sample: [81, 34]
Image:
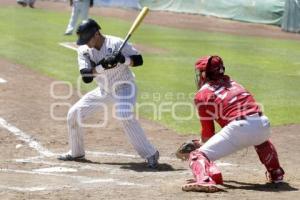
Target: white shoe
[68, 33]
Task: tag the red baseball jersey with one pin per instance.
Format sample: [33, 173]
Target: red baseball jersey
[223, 101]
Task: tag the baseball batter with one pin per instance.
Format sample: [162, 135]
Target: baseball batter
[98, 60]
[243, 124]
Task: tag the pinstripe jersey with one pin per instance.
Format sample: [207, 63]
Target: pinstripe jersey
[107, 78]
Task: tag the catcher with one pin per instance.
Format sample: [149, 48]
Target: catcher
[243, 124]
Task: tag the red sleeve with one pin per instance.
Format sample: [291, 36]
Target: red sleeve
[206, 114]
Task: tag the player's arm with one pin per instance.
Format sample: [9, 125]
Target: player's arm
[132, 57]
[86, 66]
[86, 70]
[207, 120]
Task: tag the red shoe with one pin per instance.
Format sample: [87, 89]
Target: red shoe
[275, 176]
[208, 186]
[215, 173]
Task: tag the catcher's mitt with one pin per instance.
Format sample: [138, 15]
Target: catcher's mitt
[183, 152]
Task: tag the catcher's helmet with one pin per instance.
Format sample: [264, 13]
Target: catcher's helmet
[212, 66]
[86, 31]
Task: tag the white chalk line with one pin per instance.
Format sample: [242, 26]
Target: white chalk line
[55, 169]
[26, 138]
[108, 170]
[109, 154]
[47, 153]
[162, 158]
[44, 153]
[80, 179]
[30, 189]
[68, 45]
[3, 80]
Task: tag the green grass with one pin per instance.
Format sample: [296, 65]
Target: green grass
[269, 68]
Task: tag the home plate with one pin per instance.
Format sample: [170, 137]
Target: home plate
[55, 169]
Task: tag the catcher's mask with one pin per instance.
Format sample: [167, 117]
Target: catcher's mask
[208, 68]
[86, 31]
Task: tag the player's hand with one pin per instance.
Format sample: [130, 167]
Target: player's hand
[113, 60]
[183, 152]
[110, 62]
[93, 64]
[120, 58]
[103, 63]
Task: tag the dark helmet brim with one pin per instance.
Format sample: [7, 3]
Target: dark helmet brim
[86, 31]
[85, 37]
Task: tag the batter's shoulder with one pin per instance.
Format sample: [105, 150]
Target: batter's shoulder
[114, 39]
[82, 49]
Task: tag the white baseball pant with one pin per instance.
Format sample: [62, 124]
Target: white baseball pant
[80, 8]
[124, 101]
[238, 134]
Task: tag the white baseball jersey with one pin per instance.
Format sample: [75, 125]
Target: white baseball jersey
[123, 98]
[107, 78]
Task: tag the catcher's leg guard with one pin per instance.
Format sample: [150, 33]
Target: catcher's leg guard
[269, 157]
[215, 173]
[200, 167]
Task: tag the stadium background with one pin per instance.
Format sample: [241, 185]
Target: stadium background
[262, 57]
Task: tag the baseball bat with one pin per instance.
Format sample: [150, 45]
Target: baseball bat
[134, 26]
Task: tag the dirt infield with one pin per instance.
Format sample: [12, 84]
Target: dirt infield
[30, 140]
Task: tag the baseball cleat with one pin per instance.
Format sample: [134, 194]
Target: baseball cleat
[152, 161]
[68, 157]
[68, 33]
[275, 176]
[200, 187]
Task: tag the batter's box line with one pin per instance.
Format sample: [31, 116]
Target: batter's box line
[47, 153]
[99, 168]
[32, 189]
[26, 138]
[81, 179]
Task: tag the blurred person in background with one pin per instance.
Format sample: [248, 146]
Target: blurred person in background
[80, 8]
[24, 3]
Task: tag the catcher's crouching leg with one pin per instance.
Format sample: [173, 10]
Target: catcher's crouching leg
[269, 157]
[202, 170]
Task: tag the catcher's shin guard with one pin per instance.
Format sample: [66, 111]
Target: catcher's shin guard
[269, 157]
[215, 173]
[200, 167]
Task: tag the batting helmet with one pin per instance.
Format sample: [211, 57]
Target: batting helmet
[86, 31]
[212, 66]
